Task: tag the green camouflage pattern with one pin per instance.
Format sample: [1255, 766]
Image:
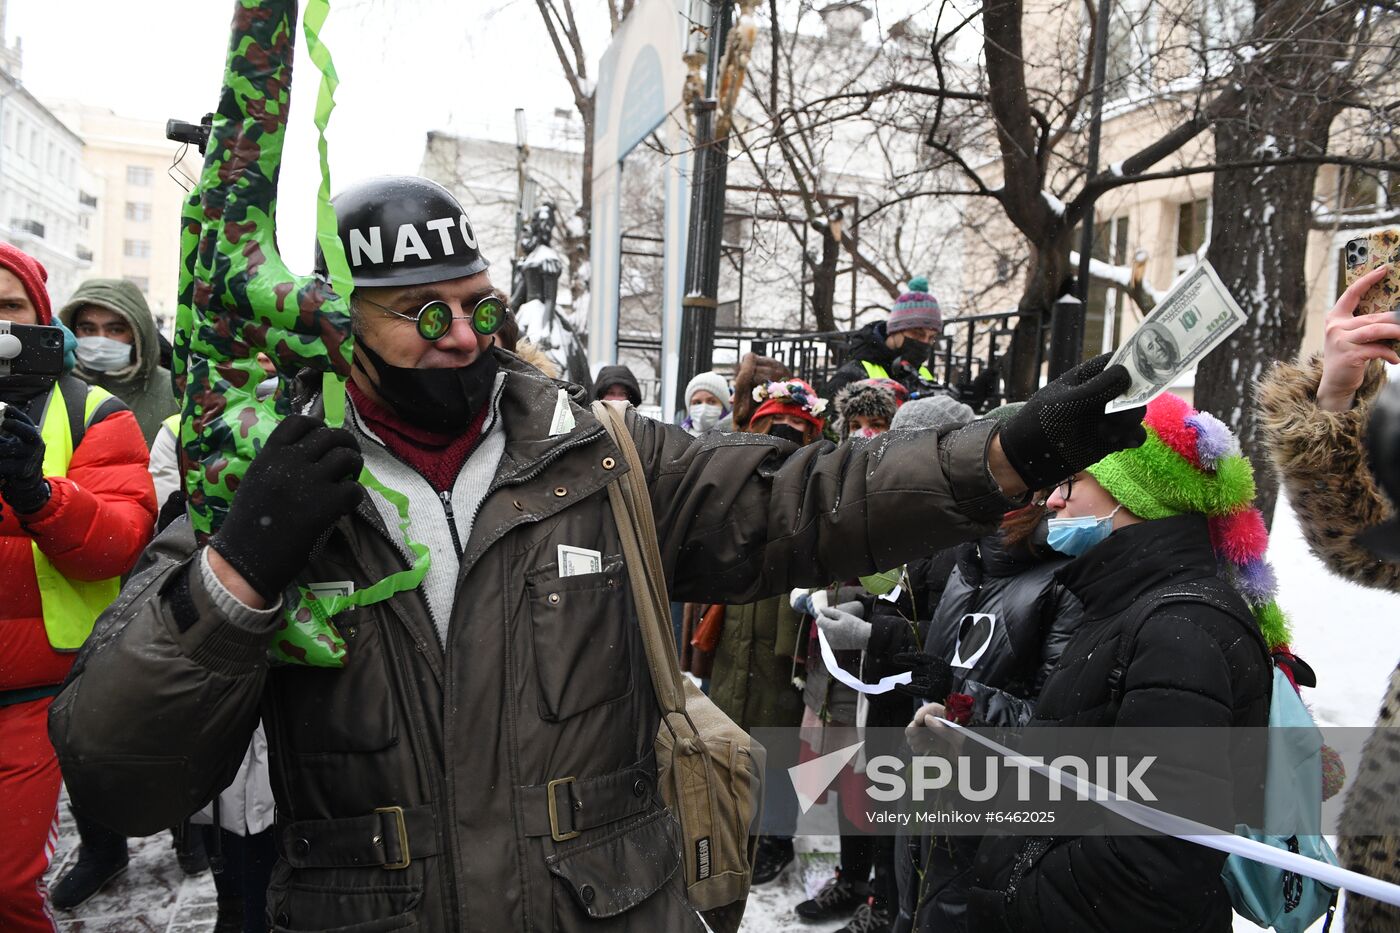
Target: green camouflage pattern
[238, 298]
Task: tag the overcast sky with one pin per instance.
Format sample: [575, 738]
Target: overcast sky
[405, 68]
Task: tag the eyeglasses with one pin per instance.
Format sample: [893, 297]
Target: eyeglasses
[1065, 488]
[435, 318]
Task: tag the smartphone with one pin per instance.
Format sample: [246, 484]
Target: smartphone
[30, 350]
[1366, 253]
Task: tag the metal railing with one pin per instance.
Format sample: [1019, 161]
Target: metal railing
[969, 347]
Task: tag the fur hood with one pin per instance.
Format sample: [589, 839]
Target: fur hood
[865, 398]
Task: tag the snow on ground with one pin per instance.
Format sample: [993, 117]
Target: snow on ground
[1349, 634]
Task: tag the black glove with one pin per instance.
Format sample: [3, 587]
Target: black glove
[933, 677]
[300, 484]
[22, 480]
[1062, 428]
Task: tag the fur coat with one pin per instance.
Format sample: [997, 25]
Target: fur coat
[1321, 457]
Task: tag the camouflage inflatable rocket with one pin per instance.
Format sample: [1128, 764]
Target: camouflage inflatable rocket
[238, 299]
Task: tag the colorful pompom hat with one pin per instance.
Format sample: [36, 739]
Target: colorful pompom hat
[1192, 462]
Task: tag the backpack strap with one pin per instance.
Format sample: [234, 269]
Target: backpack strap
[85, 410]
[1206, 592]
[74, 392]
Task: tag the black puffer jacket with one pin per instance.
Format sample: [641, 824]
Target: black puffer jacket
[1009, 600]
[1191, 665]
[868, 345]
[1012, 595]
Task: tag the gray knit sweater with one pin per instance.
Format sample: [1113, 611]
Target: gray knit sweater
[428, 521]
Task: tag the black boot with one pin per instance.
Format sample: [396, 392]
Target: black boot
[838, 898]
[102, 855]
[189, 849]
[230, 916]
[772, 857]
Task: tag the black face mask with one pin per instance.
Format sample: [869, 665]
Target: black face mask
[915, 352]
[440, 400]
[788, 433]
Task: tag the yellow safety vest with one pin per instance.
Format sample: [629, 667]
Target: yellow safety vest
[876, 371]
[70, 606]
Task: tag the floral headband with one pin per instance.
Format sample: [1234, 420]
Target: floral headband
[793, 392]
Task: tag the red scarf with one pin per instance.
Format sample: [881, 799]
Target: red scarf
[438, 458]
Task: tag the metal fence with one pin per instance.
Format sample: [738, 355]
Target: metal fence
[969, 347]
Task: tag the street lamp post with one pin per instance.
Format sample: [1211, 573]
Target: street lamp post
[706, 234]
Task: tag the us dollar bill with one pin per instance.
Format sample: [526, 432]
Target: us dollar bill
[1192, 319]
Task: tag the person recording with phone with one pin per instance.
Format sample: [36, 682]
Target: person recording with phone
[76, 509]
[1316, 416]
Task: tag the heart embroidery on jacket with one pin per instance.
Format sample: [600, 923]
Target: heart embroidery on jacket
[974, 635]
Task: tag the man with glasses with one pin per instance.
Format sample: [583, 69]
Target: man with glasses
[483, 759]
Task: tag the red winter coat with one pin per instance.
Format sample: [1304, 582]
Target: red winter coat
[95, 525]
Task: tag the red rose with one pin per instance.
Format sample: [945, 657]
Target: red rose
[958, 708]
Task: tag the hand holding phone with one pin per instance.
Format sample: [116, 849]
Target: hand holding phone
[1352, 341]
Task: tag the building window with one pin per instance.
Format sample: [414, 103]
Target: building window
[140, 281]
[1192, 232]
[136, 249]
[1131, 38]
[138, 211]
[140, 175]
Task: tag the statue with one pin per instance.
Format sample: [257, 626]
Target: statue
[534, 296]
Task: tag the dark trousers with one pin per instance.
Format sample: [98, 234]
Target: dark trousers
[247, 871]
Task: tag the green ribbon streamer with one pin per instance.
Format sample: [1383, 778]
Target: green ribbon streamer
[308, 637]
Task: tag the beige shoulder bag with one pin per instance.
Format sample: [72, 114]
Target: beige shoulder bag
[710, 771]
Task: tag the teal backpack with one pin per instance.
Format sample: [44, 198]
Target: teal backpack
[1272, 897]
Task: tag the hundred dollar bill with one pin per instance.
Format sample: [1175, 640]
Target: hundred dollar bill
[1194, 318]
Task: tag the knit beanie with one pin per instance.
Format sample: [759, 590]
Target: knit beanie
[868, 398]
[32, 275]
[931, 411]
[789, 397]
[1191, 462]
[711, 382]
[915, 308]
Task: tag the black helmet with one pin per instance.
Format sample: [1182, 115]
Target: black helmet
[403, 230]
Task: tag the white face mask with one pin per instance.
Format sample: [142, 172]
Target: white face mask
[867, 432]
[103, 354]
[704, 416]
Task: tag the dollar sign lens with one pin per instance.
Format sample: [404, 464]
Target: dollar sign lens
[435, 320]
[488, 316]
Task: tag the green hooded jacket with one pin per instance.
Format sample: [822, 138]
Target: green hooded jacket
[144, 385]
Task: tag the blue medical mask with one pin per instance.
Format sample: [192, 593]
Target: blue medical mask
[1074, 536]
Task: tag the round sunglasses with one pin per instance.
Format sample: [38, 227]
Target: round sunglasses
[435, 318]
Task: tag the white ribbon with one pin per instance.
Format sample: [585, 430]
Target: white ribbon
[883, 685]
[1201, 834]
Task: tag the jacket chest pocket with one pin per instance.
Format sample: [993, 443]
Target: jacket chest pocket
[581, 631]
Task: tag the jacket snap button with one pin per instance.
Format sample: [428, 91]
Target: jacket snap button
[639, 789]
[554, 597]
[586, 893]
[301, 846]
[560, 491]
[609, 463]
[518, 505]
[283, 919]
